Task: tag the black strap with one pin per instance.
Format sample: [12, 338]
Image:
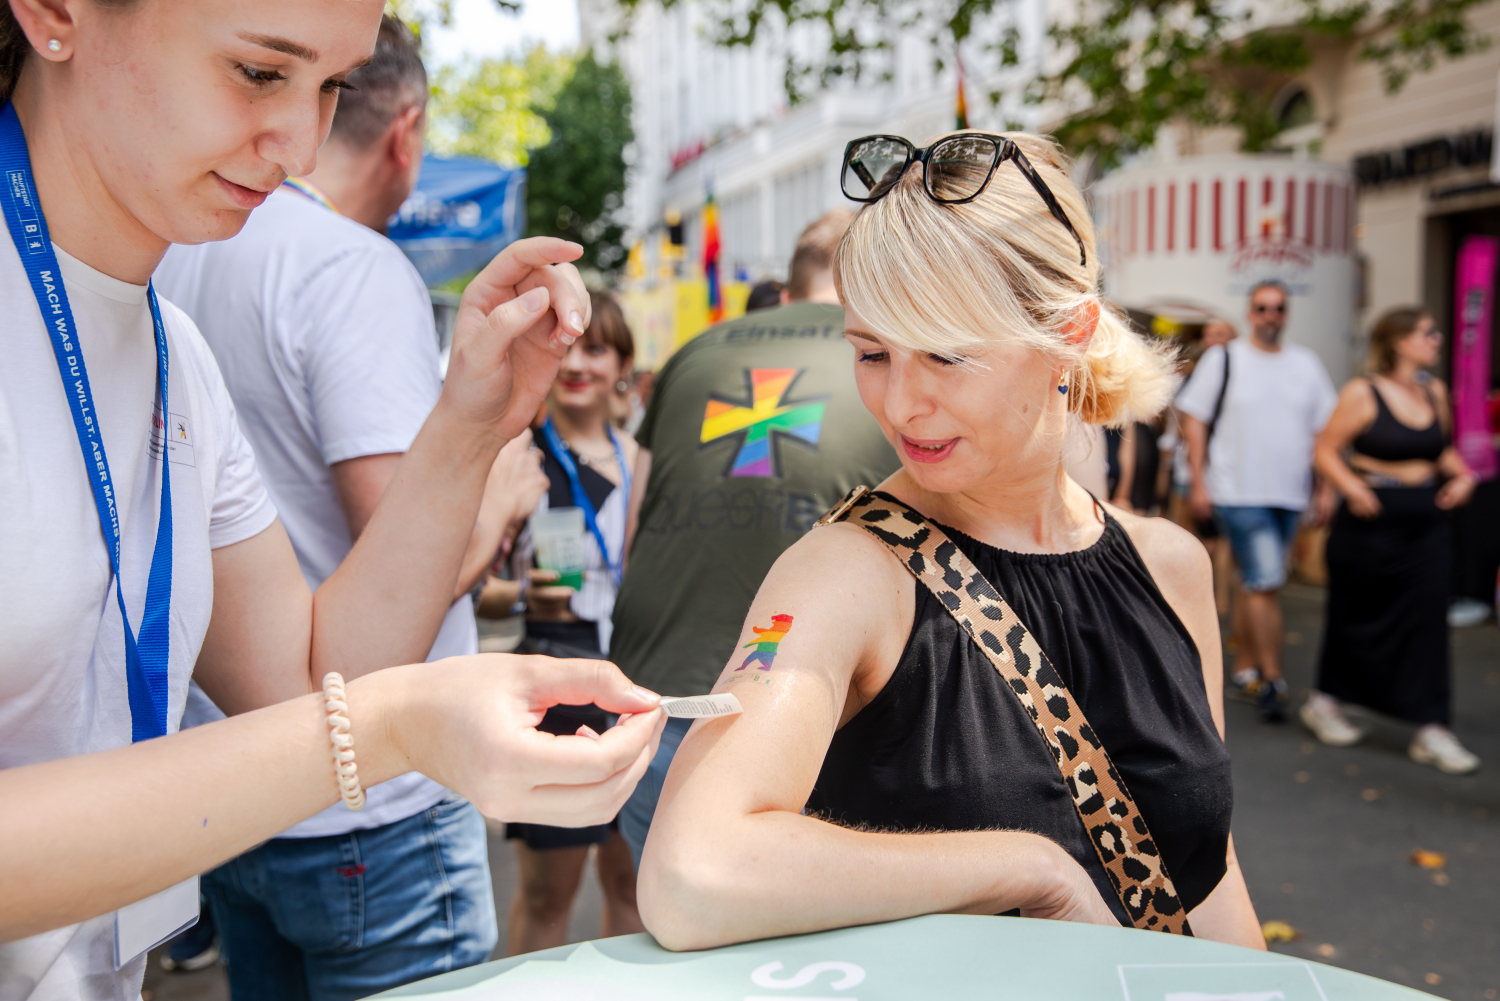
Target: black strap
[1213, 421]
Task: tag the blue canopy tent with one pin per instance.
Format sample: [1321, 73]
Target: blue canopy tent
[463, 212]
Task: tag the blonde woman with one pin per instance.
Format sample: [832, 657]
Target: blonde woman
[883, 766]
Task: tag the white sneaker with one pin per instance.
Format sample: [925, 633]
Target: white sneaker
[1321, 714]
[1465, 612]
[1435, 745]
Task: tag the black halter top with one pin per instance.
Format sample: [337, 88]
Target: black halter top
[946, 746]
[1388, 440]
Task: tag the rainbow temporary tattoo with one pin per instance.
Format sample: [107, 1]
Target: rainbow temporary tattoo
[766, 641]
[753, 422]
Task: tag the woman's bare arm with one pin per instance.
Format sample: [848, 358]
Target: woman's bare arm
[1184, 574]
[1461, 481]
[1355, 410]
[731, 857]
[85, 835]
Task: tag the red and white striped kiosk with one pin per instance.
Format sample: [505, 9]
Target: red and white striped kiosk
[1200, 231]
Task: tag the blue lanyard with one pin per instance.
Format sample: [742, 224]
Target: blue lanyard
[145, 658]
[581, 499]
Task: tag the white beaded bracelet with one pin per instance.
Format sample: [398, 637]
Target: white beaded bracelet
[343, 744]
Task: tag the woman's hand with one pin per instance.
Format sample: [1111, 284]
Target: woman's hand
[1456, 492]
[1069, 895]
[547, 600]
[514, 325]
[517, 478]
[470, 724]
[1362, 500]
[499, 598]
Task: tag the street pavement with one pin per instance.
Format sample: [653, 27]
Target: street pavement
[1324, 835]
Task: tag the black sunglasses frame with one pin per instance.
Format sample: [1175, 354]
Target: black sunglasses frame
[1004, 150]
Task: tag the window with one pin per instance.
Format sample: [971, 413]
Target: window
[1296, 110]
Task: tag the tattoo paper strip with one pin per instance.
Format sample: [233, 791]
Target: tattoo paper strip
[701, 706]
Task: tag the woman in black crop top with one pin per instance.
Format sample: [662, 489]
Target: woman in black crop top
[1389, 550]
[882, 768]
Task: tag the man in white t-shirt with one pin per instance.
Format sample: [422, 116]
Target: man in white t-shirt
[324, 332]
[1250, 413]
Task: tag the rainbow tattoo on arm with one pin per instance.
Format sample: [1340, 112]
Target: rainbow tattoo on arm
[766, 641]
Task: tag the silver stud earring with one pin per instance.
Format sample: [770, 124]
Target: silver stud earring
[54, 46]
[622, 386]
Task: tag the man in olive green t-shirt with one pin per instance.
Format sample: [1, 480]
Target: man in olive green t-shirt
[755, 428]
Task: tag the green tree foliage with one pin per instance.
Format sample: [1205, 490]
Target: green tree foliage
[495, 108]
[575, 184]
[1120, 69]
[419, 13]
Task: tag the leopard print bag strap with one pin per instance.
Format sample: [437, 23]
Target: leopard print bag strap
[1109, 814]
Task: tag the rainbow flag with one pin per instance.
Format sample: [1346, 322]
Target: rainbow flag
[711, 259]
[766, 641]
[961, 111]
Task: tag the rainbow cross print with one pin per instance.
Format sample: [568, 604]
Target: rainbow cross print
[766, 641]
[768, 410]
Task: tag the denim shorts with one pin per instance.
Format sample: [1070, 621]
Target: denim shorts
[638, 811]
[1261, 538]
[349, 915]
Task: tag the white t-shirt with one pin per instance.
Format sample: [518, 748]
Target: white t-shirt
[62, 659]
[325, 334]
[1277, 402]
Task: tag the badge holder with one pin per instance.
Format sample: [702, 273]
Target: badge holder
[146, 924]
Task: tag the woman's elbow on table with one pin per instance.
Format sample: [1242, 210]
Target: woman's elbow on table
[685, 892]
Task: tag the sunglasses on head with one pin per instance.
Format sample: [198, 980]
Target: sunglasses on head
[1261, 307]
[955, 170]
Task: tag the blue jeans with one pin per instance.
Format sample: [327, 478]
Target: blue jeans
[350, 915]
[635, 817]
[1261, 538]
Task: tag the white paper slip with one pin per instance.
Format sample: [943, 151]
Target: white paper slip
[146, 924]
[701, 706]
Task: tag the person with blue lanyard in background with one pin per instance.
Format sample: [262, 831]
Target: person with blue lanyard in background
[324, 332]
[141, 547]
[588, 464]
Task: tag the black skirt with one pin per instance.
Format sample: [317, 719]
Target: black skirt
[1386, 642]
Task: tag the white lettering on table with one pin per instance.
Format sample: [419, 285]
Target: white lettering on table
[850, 975]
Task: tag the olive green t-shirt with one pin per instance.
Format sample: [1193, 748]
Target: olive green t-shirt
[755, 429]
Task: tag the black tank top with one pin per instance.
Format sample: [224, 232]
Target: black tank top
[946, 746]
[1388, 440]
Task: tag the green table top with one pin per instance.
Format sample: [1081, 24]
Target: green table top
[943, 956]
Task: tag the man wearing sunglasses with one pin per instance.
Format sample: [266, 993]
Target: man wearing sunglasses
[1250, 414]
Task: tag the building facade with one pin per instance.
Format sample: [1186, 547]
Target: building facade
[710, 119]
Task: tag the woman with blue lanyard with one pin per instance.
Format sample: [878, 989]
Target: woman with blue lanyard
[139, 546]
[588, 464]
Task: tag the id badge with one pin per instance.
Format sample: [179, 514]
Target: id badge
[146, 924]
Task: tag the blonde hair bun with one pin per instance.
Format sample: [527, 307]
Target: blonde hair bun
[951, 279]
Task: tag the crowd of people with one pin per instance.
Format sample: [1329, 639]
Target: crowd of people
[242, 635]
[1261, 447]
